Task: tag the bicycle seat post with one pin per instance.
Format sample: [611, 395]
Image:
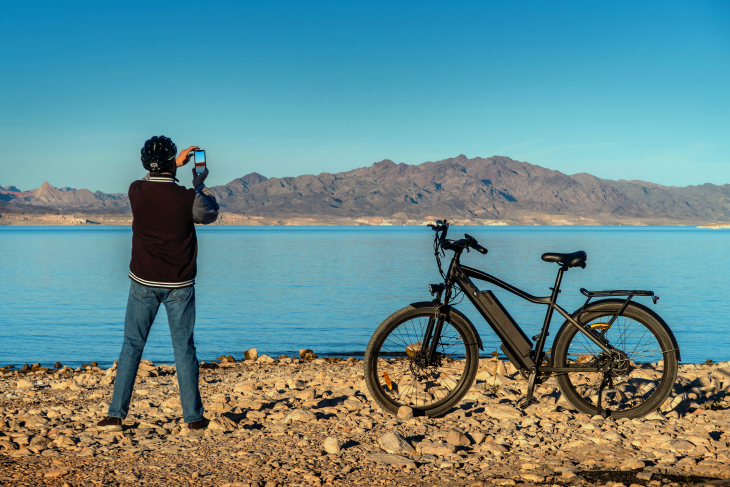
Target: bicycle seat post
[542, 337]
[558, 281]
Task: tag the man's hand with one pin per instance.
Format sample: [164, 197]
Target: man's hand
[199, 179]
[184, 157]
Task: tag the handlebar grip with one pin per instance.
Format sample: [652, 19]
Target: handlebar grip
[475, 245]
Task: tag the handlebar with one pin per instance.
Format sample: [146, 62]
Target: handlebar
[456, 245]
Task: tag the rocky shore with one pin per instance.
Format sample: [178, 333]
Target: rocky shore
[309, 421]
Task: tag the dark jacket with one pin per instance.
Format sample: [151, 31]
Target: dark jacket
[164, 245]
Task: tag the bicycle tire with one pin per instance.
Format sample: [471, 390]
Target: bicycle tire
[393, 376]
[646, 362]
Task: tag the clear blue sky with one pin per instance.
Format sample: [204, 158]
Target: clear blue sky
[622, 90]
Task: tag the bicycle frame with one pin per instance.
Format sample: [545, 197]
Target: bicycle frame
[516, 346]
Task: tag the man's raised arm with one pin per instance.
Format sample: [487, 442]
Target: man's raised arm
[205, 207]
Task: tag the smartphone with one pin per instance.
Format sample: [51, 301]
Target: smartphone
[199, 161]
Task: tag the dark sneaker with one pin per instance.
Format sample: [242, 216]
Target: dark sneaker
[199, 425]
[110, 423]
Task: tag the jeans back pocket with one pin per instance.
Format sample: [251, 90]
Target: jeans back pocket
[180, 294]
[141, 291]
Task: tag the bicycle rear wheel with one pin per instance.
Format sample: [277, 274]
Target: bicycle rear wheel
[643, 361]
[396, 374]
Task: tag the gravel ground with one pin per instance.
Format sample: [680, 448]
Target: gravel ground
[287, 421]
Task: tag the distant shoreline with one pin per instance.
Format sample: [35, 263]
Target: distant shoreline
[209, 357]
[48, 366]
[233, 219]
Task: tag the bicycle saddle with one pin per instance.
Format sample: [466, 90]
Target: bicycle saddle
[575, 259]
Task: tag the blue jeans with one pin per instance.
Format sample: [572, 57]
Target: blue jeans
[142, 308]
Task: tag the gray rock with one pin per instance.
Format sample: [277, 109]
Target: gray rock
[222, 424]
[405, 413]
[655, 416]
[477, 437]
[680, 445]
[531, 477]
[8, 445]
[457, 438]
[568, 474]
[307, 354]
[39, 441]
[721, 375]
[332, 445]
[251, 354]
[644, 475]
[632, 464]
[503, 411]
[612, 436]
[668, 459]
[300, 415]
[392, 442]
[438, 449]
[686, 462]
[306, 395]
[491, 447]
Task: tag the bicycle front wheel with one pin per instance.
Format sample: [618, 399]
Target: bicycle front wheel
[395, 371]
[642, 362]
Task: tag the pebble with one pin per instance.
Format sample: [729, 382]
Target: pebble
[332, 445]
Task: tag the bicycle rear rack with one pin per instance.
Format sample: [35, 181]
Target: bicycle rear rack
[617, 292]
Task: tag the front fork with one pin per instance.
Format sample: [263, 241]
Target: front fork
[433, 329]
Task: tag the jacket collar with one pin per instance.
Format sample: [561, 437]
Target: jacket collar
[162, 178]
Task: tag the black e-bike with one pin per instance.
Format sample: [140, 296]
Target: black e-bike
[613, 356]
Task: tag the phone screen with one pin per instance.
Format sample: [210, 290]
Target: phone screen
[200, 161]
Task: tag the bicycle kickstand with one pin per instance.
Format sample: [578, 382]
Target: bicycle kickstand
[607, 380]
[529, 399]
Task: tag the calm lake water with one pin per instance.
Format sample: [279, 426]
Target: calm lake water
[64, 290]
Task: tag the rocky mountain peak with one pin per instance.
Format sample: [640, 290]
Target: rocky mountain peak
[248, 180]
[477, 189]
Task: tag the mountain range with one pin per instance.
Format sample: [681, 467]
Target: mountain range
[476, 190]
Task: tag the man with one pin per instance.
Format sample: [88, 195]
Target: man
[162, 270]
